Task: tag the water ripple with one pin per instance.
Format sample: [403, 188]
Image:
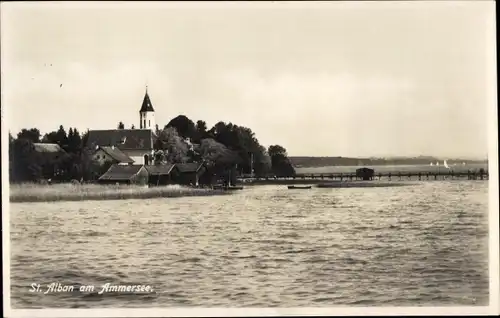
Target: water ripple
[266, 246]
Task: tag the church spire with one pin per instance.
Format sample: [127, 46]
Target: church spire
[146, 103]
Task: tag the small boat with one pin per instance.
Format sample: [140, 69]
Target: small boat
[222, 187]
[234, 188]
[299, 187]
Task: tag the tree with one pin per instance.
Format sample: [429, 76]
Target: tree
[132, 127]
[216, 153]
[26, 162]
[85, 138]
[160, 157]
[121, 125]
[280, 162]
[32, 135]
[173, 145]
[50, 138]
[277, 150]
[243, 141]
[201, 130]
[62, 138]
[184, 126]
[74, 141]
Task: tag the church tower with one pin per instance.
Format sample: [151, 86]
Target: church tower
[147, 113]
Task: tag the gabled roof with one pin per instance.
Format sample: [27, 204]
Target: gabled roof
[50, 148]
[146, 104]
[160, 169]
[121, 172]
[116, 154]
[188, 167]
[124, 139]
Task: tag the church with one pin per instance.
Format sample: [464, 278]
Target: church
[127, 146]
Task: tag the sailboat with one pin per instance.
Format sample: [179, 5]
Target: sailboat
[445, 164]
[437, 163]
[431, 164]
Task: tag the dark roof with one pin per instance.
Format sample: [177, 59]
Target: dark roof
[160, 169]
[117, 154]
[188, 167]
[121, 172]
[140, 139]
[146, 104]
[51, 148]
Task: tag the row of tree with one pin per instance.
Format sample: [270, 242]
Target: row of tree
[224, 147]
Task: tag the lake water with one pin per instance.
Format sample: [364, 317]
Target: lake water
[266, 246]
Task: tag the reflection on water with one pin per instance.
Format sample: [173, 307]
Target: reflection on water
[265, 246]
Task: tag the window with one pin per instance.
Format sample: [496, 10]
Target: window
[146, 160]
[144, 123]
[98, 157]
[149, 122]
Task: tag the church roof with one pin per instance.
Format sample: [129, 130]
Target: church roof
[124, 139]
[146, 104]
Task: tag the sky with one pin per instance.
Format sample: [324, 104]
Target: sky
[345, 79]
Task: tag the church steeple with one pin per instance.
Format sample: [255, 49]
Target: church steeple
[146, 103]
[147, 113]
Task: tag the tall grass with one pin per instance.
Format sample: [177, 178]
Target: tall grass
[29, 192]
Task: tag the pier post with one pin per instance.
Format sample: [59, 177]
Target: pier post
[341, 177]
[389, 176]
[419, 176]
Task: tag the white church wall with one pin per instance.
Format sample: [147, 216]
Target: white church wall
[138, 156]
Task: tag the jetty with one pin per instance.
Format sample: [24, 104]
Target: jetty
[388, 176]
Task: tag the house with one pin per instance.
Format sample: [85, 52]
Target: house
[111, 154]
[125, 174]
[190, 174]
[162, 174]
[137, 144]
[365, 173]
[54, 151]
[49, 155]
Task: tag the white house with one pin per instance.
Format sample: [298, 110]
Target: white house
[111, 153]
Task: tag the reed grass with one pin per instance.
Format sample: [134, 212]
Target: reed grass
[29, 192]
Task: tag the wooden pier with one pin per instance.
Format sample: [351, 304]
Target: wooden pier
[397, 176]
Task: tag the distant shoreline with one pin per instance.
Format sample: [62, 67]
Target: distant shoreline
[318, 162]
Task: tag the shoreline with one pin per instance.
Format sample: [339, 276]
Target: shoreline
[331, 183]
[31, 193]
